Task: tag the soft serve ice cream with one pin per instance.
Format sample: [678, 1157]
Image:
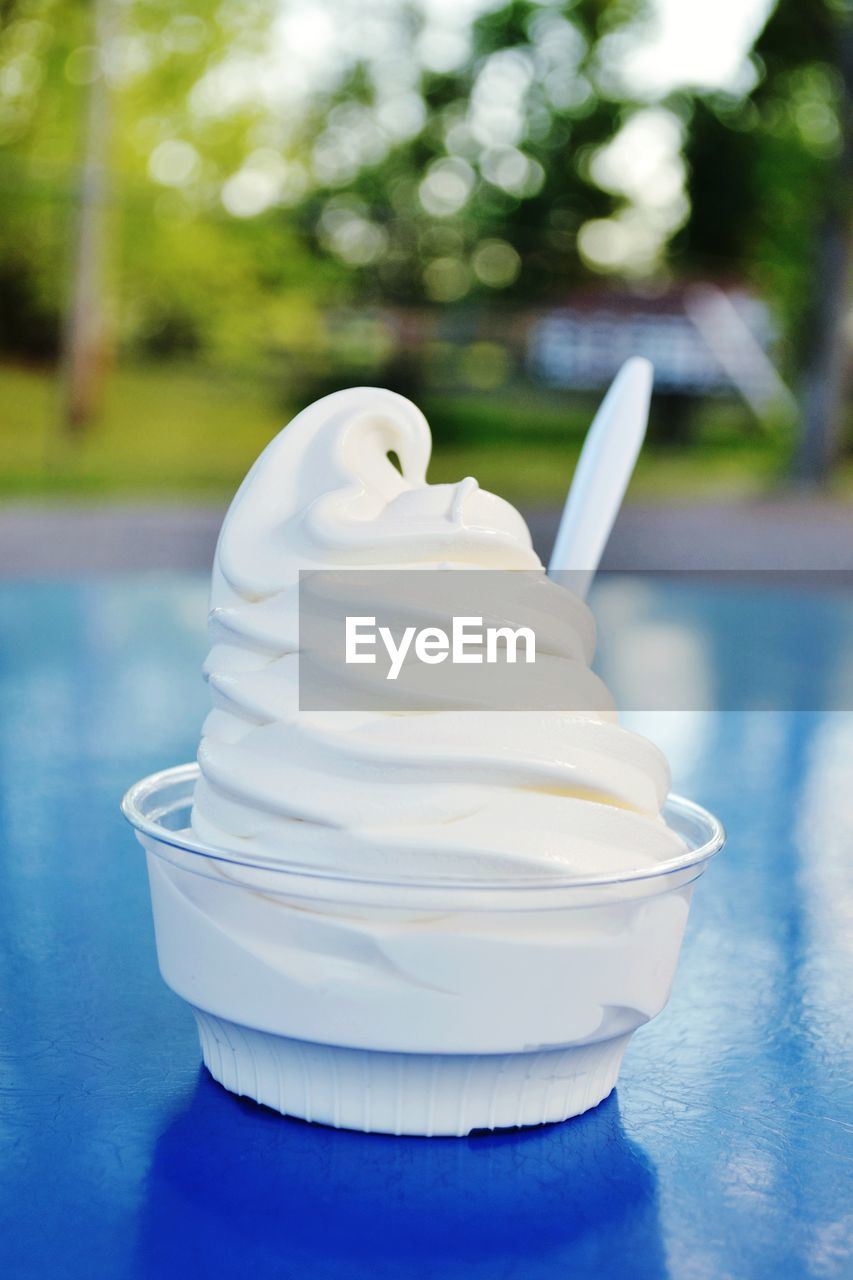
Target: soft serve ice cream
[420, 922]
[458, 791]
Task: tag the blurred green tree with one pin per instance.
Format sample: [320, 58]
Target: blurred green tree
[493, 159]
[771, 193]
[163, 199]
[488, 180]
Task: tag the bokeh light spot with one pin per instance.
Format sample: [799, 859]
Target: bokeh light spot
[496, 264]
[447, 279]
[447, 186]
[174, 163]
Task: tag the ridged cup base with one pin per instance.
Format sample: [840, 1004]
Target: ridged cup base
[408, 1093]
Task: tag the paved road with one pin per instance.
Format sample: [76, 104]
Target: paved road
[59, 540]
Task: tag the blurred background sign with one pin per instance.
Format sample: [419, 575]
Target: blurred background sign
[213, 211]
[582, 346]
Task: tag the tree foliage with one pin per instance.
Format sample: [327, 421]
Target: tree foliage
[487, 194]
[186, 275]
[765, 168]
[402, 177]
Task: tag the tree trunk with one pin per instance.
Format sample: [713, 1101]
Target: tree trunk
[824, 376]
[84, 332]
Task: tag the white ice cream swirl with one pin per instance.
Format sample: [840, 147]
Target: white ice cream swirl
[459, 793]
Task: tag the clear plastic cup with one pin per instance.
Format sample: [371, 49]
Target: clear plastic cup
[417, 1006]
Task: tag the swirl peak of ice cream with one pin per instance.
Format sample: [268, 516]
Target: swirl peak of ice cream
[467, 793]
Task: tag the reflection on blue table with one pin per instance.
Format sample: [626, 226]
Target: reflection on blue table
[561, 1200]
[726, 1151]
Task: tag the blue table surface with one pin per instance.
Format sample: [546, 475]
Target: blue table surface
[724, 1153]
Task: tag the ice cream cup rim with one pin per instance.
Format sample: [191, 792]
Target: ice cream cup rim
[134, 801]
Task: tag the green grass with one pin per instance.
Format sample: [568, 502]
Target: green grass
[527, 452]
[166, 432]
[538, 474]
[161, 432]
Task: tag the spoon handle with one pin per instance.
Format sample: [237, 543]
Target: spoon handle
[601, 477]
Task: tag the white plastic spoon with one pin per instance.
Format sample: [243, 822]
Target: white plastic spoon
[601, 477]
